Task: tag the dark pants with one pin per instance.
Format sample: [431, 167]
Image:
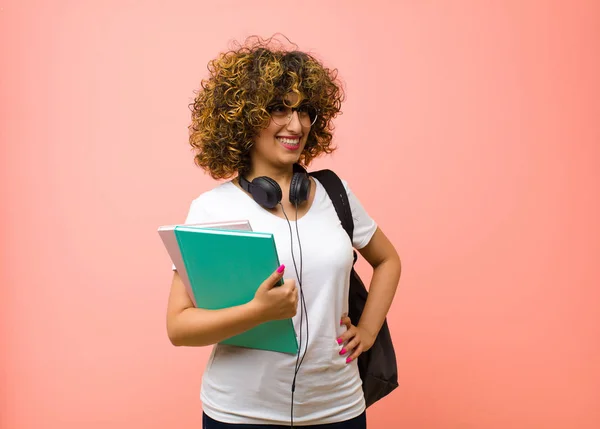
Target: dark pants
[359, 422]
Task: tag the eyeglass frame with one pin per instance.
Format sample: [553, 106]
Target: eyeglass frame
[292, 110]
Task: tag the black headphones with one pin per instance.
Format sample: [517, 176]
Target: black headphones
[267, 191]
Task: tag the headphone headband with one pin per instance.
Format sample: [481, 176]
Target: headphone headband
[246, 186]
[299, 169]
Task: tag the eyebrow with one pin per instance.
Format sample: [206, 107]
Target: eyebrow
[280, 101]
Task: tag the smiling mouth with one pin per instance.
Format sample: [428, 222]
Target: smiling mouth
[290, 143]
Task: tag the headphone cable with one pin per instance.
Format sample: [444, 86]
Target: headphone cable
[302, 306]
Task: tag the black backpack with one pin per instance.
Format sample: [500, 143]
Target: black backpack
[377, 366]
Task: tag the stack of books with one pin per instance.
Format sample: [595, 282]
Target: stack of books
[222, 264]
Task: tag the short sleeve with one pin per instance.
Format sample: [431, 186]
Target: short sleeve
[364, 225]
[196, 214]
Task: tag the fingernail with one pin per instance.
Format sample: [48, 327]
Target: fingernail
[281, 268]
[348, 360]
[341, 322]
[343, 351]
[340, 341]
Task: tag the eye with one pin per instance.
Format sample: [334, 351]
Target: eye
[277, 108]
[308, 109]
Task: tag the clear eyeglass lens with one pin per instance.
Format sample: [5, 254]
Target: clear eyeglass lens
[282, 114]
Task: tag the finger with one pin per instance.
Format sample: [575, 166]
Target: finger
[345, 320]
[275, 277]
[352, 344]
[289, 284]
[355, 354]
[292, 291]
[346, 336]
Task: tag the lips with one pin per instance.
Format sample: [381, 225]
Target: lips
[290, 143]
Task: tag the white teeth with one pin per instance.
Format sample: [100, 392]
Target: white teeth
[289, 141]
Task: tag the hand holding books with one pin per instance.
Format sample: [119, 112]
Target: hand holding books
[276, 302]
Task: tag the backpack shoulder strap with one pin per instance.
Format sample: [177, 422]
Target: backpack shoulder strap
[337, 193]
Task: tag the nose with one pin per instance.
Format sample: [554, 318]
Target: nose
[294, 123]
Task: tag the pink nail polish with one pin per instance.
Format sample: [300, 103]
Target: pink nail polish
[343, 351]
[340, 341]
[281, 268]
[348, 360]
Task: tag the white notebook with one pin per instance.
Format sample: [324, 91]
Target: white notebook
[167, 235]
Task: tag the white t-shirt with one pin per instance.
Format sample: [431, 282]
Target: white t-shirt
[250, 386]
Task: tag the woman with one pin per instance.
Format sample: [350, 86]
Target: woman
[263, 112]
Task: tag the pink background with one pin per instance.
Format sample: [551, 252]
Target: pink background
[470, 133]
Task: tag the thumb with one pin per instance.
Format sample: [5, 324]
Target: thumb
[275, 277]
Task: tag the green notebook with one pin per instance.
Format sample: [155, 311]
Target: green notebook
[225, 268]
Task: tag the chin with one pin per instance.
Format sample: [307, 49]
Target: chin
[289, 154]
[292, 158]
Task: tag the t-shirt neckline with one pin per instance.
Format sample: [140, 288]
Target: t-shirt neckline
[291, 216]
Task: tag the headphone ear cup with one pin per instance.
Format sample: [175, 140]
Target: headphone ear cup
[266, 192]
[299, 188]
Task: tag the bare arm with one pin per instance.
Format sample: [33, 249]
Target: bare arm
[384, 259]
[191, 326]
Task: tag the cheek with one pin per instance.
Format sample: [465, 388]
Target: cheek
[265, 136]
[269, 133]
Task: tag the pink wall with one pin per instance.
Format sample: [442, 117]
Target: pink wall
[476, 132]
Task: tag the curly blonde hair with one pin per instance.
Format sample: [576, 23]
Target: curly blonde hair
[232, 105]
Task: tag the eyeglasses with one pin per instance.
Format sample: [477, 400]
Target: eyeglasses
[282, 114]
